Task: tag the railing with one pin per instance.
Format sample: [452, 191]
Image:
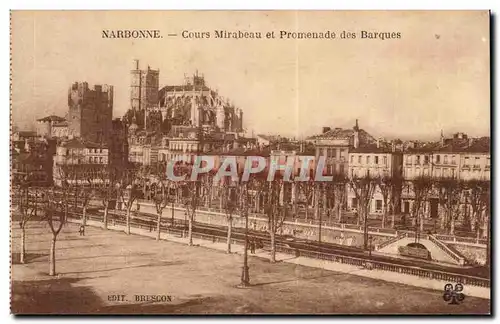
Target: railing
[459, 239]
[447, 250]
[415, 271]
[388, 242]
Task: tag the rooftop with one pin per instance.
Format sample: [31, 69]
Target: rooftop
[52, 118]
[79, 143]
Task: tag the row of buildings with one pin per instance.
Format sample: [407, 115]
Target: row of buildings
[181, 121]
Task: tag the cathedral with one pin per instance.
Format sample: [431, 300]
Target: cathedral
[191, 104]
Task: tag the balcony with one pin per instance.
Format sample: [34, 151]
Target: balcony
[466, 167]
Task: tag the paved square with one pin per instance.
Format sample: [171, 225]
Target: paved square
[196, 280]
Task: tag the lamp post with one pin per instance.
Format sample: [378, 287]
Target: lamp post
[245, 276]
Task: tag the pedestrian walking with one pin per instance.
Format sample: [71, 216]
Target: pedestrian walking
[252, 246]
[82, 230]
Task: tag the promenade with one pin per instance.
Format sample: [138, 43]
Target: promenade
[202, 279]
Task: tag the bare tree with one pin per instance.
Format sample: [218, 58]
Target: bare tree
[129, 192]
[160, 196]
[230, 205]
[243, 203]
[422, 186]
[307, 188]
[363, 188]
[108, 191]
[385, 184]
[27, 208]
[86, 180]
[192, 195]
[450, 191]
[55, 213]
[479, 199]
[274, 210]
[337, 187]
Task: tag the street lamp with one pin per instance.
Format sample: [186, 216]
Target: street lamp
[245, 275]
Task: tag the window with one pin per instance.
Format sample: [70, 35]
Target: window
[359, 159]
[446, 159]
[477, 161]
[385, 160]
[100, 160]
[367, 159]
[488, 161]
[408, 159]
[426, 159]
[376, 159]
[453, 161]
[352, 158]
[418, 159]
[438, 158]
[378, 205]
[466, 161]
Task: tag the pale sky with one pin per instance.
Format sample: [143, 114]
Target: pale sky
[436, 76]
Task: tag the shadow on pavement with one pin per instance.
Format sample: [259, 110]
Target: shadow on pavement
[28, 257]
[52, 296]
[154, 264]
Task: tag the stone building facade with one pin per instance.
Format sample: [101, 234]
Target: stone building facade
[90, 112]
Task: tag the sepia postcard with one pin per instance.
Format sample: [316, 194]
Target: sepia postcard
[250, 162]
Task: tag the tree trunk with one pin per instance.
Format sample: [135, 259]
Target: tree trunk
[23, 243]
[158, 222]
[393, 220]
[421, 221]
[190, 230]
[307, 210]
[384, 213]
[173, 221]
[229, 230]
[52, 256]
[486, 225]
[442, 223]
[273, 245]
[84, 215]
[365, 227]
[127, 230]
[316, 205]
[105, 219]
[338, 211]
[452, 224]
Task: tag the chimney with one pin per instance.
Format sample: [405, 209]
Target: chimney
[301, 147]
[378, 142]
[393, 146]
[442, 138]
[136, 64]
[326, 129]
